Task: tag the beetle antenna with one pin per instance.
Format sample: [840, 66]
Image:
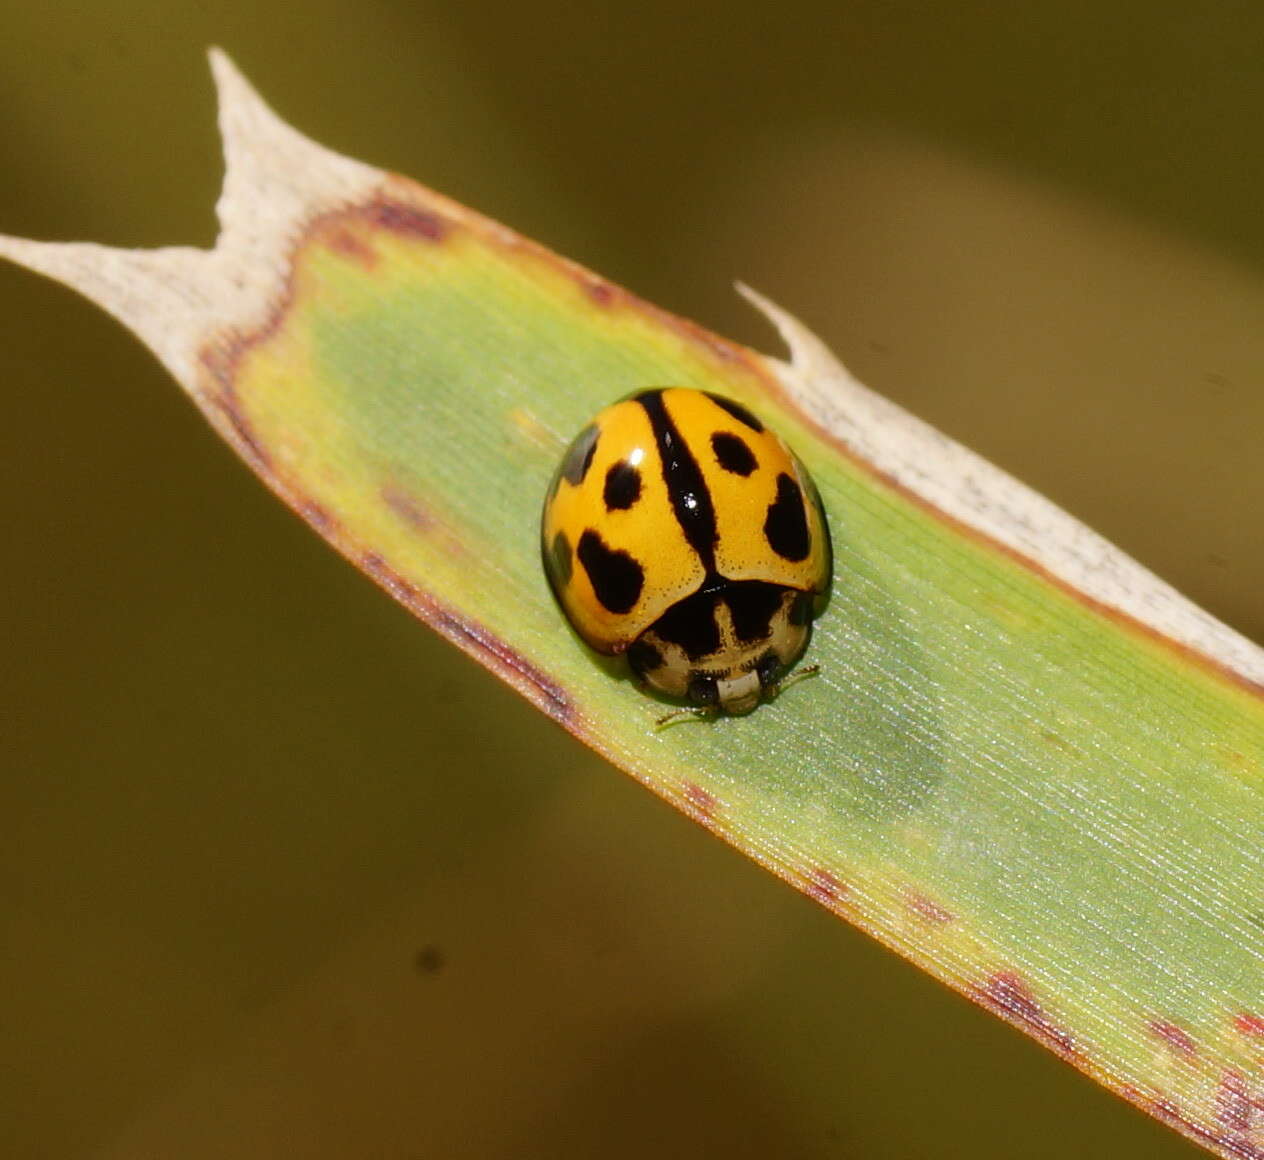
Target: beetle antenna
[797, 676]
[676, 715]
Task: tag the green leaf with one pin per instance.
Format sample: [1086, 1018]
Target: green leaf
[1028, 765]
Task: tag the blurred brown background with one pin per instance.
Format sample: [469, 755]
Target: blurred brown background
[284, 875]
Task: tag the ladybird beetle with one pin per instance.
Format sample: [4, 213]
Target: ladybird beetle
[681, 531]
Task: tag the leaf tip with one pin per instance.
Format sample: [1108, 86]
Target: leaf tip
[276, 181]
[810, 359]
[149, 291]
[273, 174]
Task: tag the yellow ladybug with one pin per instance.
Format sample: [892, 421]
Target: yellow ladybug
[681, 531]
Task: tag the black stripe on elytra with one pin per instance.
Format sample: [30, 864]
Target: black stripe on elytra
[688, 490]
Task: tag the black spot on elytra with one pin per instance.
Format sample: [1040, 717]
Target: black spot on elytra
[616, 578]
[579, 456]
[752, 605]
[740, 413]
[623, 486]
[690, 624]
[732, 454]
[644, 658]
[786, 527]
[560, 563]
[703, 689]
[801, 609]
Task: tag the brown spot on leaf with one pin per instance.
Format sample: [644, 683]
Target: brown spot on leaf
[348, 244]
[929, 909]
[1058, 742]
[1234, 758]
[1163, 1108]
[1177, 1038]
[318, 516]
[1007, 993]
[407, 220]
[507, 660]
[407, 508]
[700, 802]
[1238, 1148]
[601, 292]
[1246, 1023]
[405, 591]
[824, 886]
[1234, 1107]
